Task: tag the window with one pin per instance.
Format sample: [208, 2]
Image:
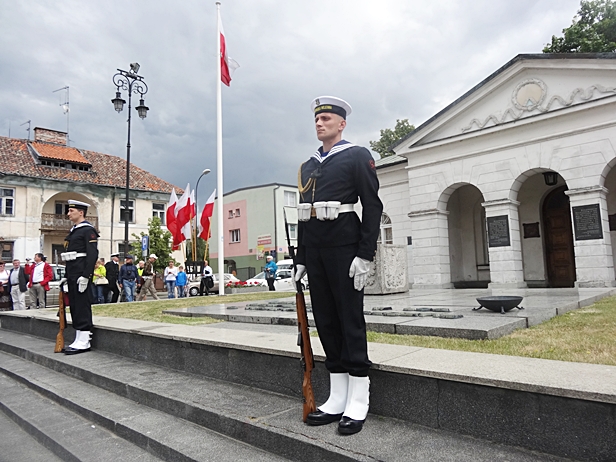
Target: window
[158, 210]
[61, 208]
[290, 199]
[6, 247]
[129, 212]
[230, 213]
[7, 201]
[386, 236]
[235, 235]
[237, 212]
[292, 231]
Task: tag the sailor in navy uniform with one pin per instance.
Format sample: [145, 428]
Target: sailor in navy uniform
[336, 249]
[81, 253]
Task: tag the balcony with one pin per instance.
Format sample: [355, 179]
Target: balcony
[53, 222]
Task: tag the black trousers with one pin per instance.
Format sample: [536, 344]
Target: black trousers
[80, 303]
[115, 291]
[270, 283]
[338, 309]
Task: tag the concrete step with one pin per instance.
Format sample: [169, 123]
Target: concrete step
[70, 437]
[16, 445]
[116, 392]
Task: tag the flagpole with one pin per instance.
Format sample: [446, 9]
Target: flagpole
[221, 236]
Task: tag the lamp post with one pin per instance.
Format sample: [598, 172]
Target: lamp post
[129, 80]
[205, 172]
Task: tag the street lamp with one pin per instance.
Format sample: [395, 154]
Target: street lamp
[129, 80]
[203, 173]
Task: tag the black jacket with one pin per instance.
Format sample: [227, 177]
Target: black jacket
[82, 238]
[342, 176]
[113, 270]
[22, 277]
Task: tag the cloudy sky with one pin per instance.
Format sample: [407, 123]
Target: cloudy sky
[391, 59]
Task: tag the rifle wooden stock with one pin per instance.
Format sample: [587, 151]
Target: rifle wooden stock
[59, 348]
[307, 359]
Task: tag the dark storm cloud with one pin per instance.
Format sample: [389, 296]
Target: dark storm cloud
[390, 60]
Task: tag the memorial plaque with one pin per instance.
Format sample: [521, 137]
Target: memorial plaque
[531, 230]
[587, 222]
[498, 231]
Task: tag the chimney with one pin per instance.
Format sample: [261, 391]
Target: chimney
[50, 136]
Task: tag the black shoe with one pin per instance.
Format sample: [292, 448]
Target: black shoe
[322, 418]
[74, 351]
[348, 426]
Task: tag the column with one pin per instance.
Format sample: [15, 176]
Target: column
[594, 263]
[504, 244]
[430, 249]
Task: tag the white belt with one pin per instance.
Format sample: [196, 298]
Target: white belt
[322, 210]
[68, 256]
[344, 208]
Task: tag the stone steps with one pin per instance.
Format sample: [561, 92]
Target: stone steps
[177, 415]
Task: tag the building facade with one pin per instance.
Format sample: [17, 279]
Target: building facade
[254, 227]
[512, 185]
[38, 177]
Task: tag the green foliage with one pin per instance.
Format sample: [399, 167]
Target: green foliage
[160, 243]
[200, 250]
[593, 30]
[389, 137]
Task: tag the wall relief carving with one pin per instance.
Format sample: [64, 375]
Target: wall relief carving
[529, 96]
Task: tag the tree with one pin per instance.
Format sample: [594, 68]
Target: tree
[200, 249]
[160, 243]
[593, 30]
[389, 137]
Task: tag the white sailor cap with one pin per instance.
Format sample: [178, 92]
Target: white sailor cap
[78, 205]
[115, 255]
[331, 104]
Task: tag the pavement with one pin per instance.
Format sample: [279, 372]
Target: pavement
[438, 312]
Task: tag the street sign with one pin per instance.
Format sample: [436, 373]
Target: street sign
[145, 243]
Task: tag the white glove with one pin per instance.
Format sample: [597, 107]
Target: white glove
[83, 284]
[64, 284]
[359, 272]
[299, 272]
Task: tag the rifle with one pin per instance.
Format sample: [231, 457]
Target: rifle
[59, 348]
[303, 336]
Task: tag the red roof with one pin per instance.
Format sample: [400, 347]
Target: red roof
[105, 170]
[57, 152]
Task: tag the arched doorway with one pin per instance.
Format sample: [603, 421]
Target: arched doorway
[558, 238]
[468, 250]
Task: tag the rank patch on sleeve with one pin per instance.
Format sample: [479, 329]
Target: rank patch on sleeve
[372, 166]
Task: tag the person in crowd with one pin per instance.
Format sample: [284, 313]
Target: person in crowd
[112, 268]
[207, 279]
[128, 278]
[147, 276]
[5, 294]
[270, 272]
[18, 285]
[170, 276]
[100, 281]
[180, 282]
[42, 274]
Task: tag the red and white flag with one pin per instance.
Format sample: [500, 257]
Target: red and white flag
[183, 211]
[227, 64]
[186, 229]
[206, 218]
[170, 218]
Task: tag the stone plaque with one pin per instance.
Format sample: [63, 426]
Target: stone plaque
[531, 230]
[498, 231]
[587, 222]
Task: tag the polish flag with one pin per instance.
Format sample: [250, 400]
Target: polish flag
[170, 217]
[227, 64]
[206, 217]
[186, 229]
[183, 213]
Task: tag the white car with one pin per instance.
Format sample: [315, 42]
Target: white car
[193, 286]
[283, 282]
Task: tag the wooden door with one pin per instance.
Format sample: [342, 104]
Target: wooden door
[560, 256]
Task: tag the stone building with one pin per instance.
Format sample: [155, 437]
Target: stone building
[38, 177]
[512, 185]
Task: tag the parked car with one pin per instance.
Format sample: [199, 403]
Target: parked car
[59, 271]
[193, 286]
[283, 282]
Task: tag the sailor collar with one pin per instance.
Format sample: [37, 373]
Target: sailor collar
[338, 147]
[83, 223]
